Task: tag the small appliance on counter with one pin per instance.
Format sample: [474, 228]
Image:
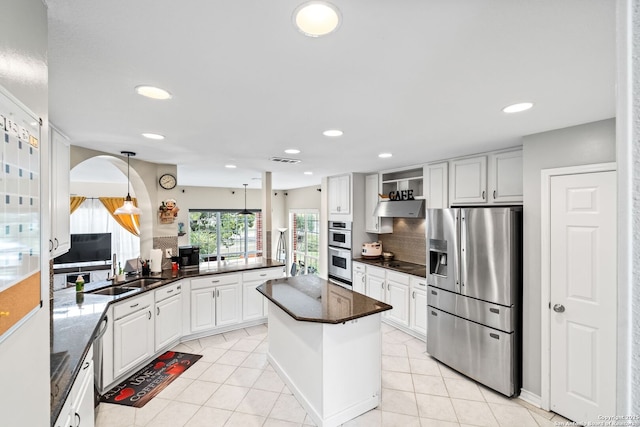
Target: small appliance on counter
[371, 250]
[189, 257]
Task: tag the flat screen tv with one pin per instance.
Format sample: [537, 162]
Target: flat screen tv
[87, 247]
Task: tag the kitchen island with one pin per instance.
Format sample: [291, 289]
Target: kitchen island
[325, 343]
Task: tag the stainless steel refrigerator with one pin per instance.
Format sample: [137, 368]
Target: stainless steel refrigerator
[474, 294]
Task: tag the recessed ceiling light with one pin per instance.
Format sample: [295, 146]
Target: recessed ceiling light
[308, 173]
[292, 151]
[230, 166]
[316, 18]
[332, 132]
[516, 108]
[385, 155]
[153, 136]
[153, 92]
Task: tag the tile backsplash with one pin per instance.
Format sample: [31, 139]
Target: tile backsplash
[168, 242]
[408, 241]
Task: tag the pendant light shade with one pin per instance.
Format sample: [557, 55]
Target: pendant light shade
[245, 211]
[128, 208]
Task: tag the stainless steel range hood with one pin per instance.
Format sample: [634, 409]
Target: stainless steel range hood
[400, 209]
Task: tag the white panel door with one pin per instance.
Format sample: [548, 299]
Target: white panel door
[583, 295]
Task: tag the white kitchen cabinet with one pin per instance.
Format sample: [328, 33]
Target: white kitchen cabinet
[505, 176]
[78, 409]
[418, 305]
[375, 283]
[468, 180]
[374, 224]
[339, 198]
[397, 295]
[82, 393]
[60, 237]
[359, 280]
[133, 333]
[437, 185]
[215, 301]
[168, 323]
[252, 301]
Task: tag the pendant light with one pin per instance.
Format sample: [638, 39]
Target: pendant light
[128, 208]
[245, 211]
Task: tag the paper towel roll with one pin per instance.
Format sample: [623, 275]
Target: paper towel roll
[155, 260]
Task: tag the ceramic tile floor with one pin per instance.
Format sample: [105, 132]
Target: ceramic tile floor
[234, 385]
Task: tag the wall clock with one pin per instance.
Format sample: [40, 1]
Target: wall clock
[167, 181]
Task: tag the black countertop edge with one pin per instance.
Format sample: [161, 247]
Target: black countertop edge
[413, 269]
[76, 319]
[307, 293]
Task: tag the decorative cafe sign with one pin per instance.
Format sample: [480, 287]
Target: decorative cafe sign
[399, 195]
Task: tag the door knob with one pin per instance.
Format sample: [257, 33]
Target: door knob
[558, 308]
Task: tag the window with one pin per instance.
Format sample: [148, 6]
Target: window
[93, 217]
[224, 234]
[305, 238]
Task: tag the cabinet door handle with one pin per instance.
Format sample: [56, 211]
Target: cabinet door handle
[169, 291]
[483, 193]
[86, 365]
[413, 294]
[382, 285]
[134, 305]
[494, 194]
[55, 239]
[263, 274]
[215, 281]
[388, 287]
[157, 311]
[50, 245]
[78, 415]
[149, 314]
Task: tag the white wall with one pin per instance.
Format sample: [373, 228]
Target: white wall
[578, 145]
[24, 355]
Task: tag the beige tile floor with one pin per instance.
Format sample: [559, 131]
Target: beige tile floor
[234, 385]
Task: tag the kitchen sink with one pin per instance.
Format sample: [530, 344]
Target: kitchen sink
[142, 283]
[113, 290]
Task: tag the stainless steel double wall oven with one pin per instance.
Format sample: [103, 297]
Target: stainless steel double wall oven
[340, 252]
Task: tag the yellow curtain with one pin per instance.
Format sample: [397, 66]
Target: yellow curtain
[76, 201]
[131, 223]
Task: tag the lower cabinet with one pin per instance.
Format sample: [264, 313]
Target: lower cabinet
[407, 294]
[397, 295]
[375, 283]
[168, 324]
[253, 303]
[418, 305]
[133, 333]
[215, 301]
[78, 408]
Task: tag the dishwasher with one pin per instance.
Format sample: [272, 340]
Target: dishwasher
[98, 359]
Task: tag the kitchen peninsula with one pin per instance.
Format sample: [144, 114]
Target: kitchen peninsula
[325, 343]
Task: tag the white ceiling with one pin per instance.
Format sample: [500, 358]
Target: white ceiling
[422, 79]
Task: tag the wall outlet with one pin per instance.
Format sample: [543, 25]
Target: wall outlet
[168, 253]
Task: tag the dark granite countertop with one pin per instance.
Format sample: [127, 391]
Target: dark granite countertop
[312, 299]
[76, 318]
[396, 265]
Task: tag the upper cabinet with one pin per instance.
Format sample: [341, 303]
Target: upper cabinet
[505, 176]
[492, 178]
[374, 224]
[468, 180]
[59, 240]
[404, 180]
[437, 185]
[339, 198]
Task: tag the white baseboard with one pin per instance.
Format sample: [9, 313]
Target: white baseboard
[531, 398]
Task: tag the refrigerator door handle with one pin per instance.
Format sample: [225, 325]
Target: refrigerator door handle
[463, 252]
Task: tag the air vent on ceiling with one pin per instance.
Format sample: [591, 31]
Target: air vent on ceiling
[285, 160]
